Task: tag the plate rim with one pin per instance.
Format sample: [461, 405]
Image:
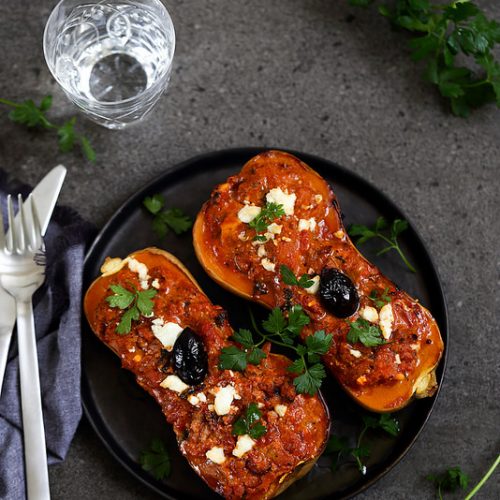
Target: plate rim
[133, 467]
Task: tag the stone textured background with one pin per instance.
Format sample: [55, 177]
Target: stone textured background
[324, 78]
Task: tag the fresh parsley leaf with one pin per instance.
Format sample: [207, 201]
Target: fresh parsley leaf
[385, 421]
[449, 480]
[172, 218]
[255, 355]
[318, 344]
[244, 337]
[298, 366]
[339, 445]
[232, 358]
[139, 302]
[379, 230]
[177, 220]
[269, 213]
[444, 32]
[156, 460]
[365, 332]
[122, 297]
[297, 319]
[249, 423]
[29, 114]
[290, 279]
[144, 302]
[310, 381]
[275, 323]
[380, 300]
[125, 323]
[154, 203]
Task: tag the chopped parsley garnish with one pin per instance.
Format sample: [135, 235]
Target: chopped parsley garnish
[156, 460]
[340, 448]
[379, 230]
[137, 302]
[365, 332]
[269, 213]
[32, 116]
[282, 329]
[290, 279]
[249, 423]
[380, 300]
[171, 218]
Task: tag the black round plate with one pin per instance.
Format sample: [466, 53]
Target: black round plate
[127, 419]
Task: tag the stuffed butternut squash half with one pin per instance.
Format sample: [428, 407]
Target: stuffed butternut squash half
[274, 234]
[247, 434]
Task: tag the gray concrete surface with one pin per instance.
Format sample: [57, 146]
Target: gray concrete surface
[331, 80]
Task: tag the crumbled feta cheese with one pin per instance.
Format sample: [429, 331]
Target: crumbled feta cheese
[386, 318]
[277, 195]
[248, 213]
[288, 240]
[223, 399]
[268, 265]
[166, 333]
[193, 400]
[369, 313]
[415, 347]
[242, 236]
[274, 228]
[155, 284]
[142, 271]
[260, 405]
[216, 455]
[174, 383]
[261, 251]
[244, 444]
[339, 234]
[318, 198]
[315, 286]
[201, 396]
[280, 410]
[398, 359]
[355, 353]
[307, 224]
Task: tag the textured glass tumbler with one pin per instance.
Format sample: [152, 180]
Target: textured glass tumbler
[112, 58]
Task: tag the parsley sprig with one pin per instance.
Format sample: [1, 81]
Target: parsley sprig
[172, 218]
[449, 480]
[35, 116]
[156, 460]
[249, 423]
[283, 330]
[136, 302]
[380, 299]
[270, 212]
[290, 279]
[365, 332]
[379, 230]
[445, 32]
[339, 446]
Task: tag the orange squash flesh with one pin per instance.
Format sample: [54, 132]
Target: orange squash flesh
[383, 378]
[293, 441]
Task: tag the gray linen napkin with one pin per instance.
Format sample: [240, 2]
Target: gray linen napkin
[57, 307]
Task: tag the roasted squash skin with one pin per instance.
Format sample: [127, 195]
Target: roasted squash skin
[382, 378]
[293, 441]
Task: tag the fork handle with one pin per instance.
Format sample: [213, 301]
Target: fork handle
[35, 451]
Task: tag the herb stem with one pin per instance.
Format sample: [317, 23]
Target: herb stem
[12, 104]
[484, 479]
[405, 260]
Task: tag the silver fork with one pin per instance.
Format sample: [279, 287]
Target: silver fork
[22, 272]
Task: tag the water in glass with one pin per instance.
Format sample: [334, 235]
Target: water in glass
[112, 58]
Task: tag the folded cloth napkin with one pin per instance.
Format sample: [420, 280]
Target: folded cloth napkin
[57, 306]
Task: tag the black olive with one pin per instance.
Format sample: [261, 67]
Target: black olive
[338, 293]
[190, 358]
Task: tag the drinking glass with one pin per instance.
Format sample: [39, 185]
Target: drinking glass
[112, 58]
